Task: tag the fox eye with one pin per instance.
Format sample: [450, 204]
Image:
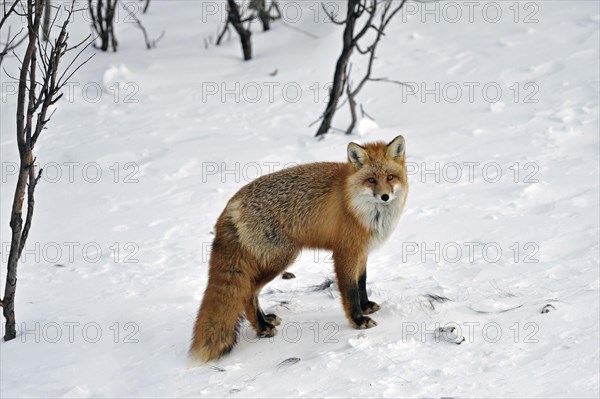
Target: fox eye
[371, 180]
[390, 177]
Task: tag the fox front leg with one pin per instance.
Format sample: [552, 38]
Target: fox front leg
[366, 306]
[347, 269]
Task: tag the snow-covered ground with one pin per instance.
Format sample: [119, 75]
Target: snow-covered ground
[502, 218]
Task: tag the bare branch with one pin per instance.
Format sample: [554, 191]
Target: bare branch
[150, 44]
[274, 6]
[368, 24]
[34, 98]
[25, 100]
[8, 13]
[82, 42]
[387, 80]
[63, 81]
[103, 23]
[361, 51]
[331, 16]
[387, 21]
[11, 44]
[342, 83]
[234, 17]
[225, 29]
[33, 180]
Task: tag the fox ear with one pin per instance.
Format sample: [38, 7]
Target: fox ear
[395, 149]
[357, 155]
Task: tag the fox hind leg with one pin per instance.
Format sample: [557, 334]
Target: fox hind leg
[271, 267]
[277, 264]
[270, 317]
[263, 324]
[266, 322]
[267, 318]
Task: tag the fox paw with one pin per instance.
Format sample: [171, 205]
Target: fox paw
[267, 332]
[370, 307]
[364, 323]
[273, 319]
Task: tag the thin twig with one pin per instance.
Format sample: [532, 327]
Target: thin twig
[332, 17]
[9, 12]
[150, 44]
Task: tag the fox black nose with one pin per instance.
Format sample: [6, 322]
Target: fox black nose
[385, 197]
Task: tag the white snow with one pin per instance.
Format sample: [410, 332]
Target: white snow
[118, 75]
[502, 218]
[365, 125]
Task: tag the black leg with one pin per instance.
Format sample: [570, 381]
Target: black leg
[265, 320]
[262, 323]
[367, 307]
[356, 313]
[362, 288]
[348, 283]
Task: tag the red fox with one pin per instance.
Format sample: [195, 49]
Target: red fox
[349, 208]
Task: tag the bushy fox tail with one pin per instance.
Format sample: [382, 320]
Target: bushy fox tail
[229, 290]
[217, 324]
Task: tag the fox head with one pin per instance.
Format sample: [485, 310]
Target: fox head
[380, 172]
